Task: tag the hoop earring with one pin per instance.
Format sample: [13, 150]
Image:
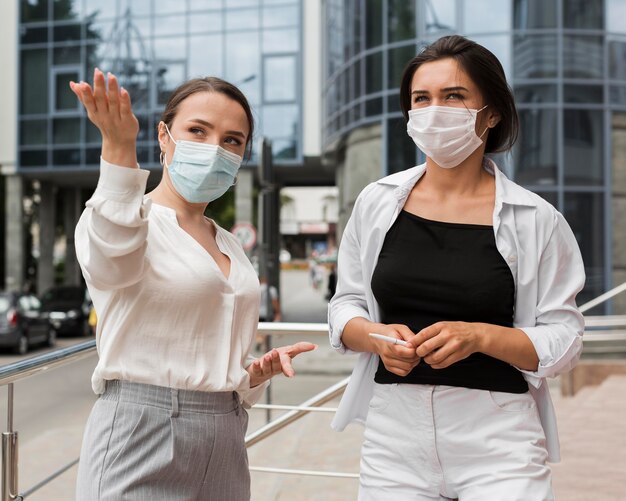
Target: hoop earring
[162, 158]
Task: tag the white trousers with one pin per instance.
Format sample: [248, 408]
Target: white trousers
[425, 442]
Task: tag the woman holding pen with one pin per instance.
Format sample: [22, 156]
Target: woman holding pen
[471, 281]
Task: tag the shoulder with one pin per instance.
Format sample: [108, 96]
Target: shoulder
[386, 188]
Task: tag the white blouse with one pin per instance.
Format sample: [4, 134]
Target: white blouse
[532, 237]
[167, 315]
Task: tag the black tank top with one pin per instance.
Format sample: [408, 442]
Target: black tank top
[431, 271]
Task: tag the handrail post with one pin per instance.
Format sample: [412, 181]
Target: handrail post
[9, 454]
[268, 390]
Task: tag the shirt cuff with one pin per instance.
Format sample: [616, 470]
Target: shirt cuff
[121, 184]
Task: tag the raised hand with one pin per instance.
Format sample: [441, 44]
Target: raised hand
[276, 361]
[110, 110]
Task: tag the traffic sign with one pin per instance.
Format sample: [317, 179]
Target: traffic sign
[246, 234]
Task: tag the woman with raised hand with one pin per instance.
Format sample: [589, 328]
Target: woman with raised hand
[471, 281]
[177, 303]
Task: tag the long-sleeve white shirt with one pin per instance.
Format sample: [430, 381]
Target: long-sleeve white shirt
[167, 315]
[534, 240]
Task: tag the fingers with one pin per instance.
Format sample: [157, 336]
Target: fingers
[295, 349]
[99, 91]
[399, 367]
[287, 368]
[113, 94]
[83, 91]
[428, 347]
[125, 104]
[405, 333]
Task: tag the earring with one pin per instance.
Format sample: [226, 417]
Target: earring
[162, 158]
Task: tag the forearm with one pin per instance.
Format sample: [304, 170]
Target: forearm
[122, 154]
[355, 335]
[509, 345]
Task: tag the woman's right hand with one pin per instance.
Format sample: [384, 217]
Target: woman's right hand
[110, 110]
[398, 359]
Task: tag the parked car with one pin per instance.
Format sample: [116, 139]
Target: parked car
[68, 309]
[23, 323]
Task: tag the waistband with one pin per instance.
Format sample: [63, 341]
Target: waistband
[171, 398]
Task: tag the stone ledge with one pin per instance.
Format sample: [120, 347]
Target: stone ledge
[590, 372]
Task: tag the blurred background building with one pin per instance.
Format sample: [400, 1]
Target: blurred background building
[566, 61]
[322, 77]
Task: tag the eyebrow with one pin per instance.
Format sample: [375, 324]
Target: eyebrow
[210, 126]
[445, 89]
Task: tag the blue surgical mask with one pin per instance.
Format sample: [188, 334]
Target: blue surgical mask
[202, 172]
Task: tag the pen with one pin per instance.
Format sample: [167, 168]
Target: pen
[388, 339]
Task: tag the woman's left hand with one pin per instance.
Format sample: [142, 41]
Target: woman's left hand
[444, 343]
[276, 361]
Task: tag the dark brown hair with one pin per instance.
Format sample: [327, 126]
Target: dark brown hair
[485, 71]
[208, 84]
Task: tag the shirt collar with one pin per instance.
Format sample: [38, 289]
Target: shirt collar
[506, 190]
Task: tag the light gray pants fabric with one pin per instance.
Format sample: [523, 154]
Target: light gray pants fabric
[145, 442]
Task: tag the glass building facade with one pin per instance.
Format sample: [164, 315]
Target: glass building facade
[565, 60]
[153, 46]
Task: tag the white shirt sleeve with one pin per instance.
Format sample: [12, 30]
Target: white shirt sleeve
[111, 233]
[557, 335]
[349, 300]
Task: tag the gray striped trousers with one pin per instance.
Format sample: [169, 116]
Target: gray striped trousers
[150, 443]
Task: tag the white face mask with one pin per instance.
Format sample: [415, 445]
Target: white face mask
[446, 135]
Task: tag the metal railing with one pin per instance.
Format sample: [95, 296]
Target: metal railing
[600, 329]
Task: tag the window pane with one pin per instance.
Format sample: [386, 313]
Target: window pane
[583, 93]
[67, 9]
[284, 149]
[102, 10]
[500, 46]
[34, 81]
[373, 23]
[34, 10]
[401, 150]
[33, 35]
[398, 59]
[169, 25]
[615, 15]
[617, 60]
[279, 82]
[66, 156]
[205, 56]
[618, 95]
[67, 55]
[70, 32]
[529, 14]
[136, 7]
[585, 214]
[534, 56]
[204, 4]
[277, 17]
[583, 147]
[33, 132]
[374, 73]
[401, 20]
[280, 120]
[242, 19]
[170, 7]
[243, 65]
[587, 14]
[38, 158]
[204, 22]
[535, 93]
[535, 153]
[441, 16]
[374, 107]
[169, 76]
[65, 99]
[483, 16]
[583, 57]
[66, 130]
[281, 40]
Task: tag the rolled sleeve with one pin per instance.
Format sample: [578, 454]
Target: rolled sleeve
[557, 334]
[349, 300]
